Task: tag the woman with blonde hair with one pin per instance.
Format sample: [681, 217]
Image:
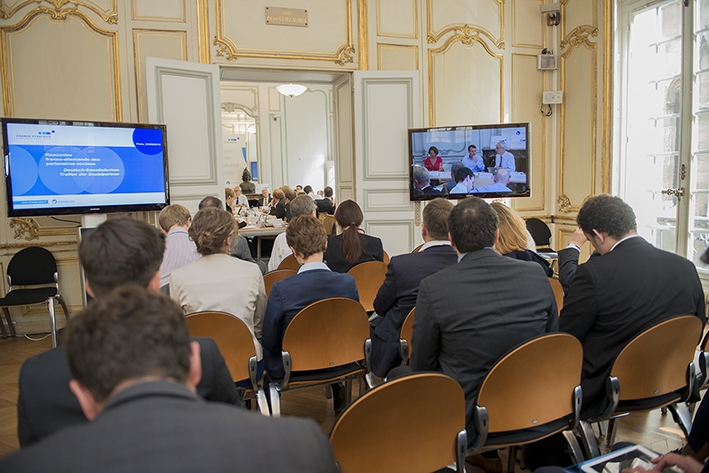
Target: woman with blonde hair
[351, 246]
[513, 237]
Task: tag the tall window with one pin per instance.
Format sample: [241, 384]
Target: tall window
[663, 128]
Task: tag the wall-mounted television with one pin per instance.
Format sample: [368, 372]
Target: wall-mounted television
[488, 161]
[59, 167]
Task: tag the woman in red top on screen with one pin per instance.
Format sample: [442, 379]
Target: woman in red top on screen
[433, 162]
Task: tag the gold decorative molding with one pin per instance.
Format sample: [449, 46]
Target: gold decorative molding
[12, 246]
[203, 31]
[607, 119]
[58, 15]
[430, 34]
[363, 34]
[29, 229]
[579, 35]
[110, 16]
[381, 47]
[449, 42]
[390, 34]
[467, 34]
[226, 48]
[564, 203]
[177, 19]
[417, 213]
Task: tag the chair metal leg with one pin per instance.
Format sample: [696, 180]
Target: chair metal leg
[348, 392]
[682, 416]
[612, 431]
[262, 402]
[588, 439]
[512, 458]
[52, 321]
[275, 401]
[369, 378]
[10, 325]
[2, 327]
[61, 301]
[574, 447]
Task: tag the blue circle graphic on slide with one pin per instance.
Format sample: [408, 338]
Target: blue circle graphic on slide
[148, 141]
[24, 171]
[73, 170]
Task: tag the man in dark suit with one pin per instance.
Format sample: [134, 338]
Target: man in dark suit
[134, 373]
[325, 205]
[120, 251]
[397, 295]
[307, 239]
[422, 182]
[472, 313]
[627, 290]
[278, 204]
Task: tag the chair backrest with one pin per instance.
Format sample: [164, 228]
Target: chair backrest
[32, 265]
[289, 262]
[369, 277]
[386, 257]
[407, 330]
[417, 249]
[231, 335]
[326, 334]
[558, 292]
[656, 361]
[328, 222]
[539, 230]
[417, 420]
[272, 277]
[533, 384]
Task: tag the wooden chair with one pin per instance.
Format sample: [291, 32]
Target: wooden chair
[369, 277]
[328, 222]
[417, 249]
[289, 262]
[420, 423]
[236, 344]
[531, 393]
[272, 277]
[654, 370]
[407, 330]
[386, 258]
[327, 342]
[558, 292]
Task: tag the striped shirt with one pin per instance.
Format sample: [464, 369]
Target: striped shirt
[179, 251]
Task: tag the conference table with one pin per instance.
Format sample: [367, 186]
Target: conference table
[261, 232]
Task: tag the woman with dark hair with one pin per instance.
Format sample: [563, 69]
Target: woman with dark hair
[433, 162]
[351, 246]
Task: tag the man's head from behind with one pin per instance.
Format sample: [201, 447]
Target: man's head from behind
[122, 250]
[502, 176]
[464, 176]
[435, 219]
[174, 215]
[211, 202]
[306, 236]
[421, 177]
[302, 205]
[328, 192]
[129, 334]
[290, 195]
[604, 216]
[454, 168]
[472, 225]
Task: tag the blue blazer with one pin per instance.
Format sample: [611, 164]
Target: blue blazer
[287, 298]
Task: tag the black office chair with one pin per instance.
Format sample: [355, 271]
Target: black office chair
[33, 266]
[541, 234]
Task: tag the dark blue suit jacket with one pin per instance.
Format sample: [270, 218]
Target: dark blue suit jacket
[287, 298]
[397, 297]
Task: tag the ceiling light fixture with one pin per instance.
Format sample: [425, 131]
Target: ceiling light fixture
[291, 90]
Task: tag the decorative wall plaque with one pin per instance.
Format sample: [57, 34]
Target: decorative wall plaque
[286, 16]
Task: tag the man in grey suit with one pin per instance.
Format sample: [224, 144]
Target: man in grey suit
[472, 313]
[134, 373]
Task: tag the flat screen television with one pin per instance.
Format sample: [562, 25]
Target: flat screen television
[59, 167]
[488, 161]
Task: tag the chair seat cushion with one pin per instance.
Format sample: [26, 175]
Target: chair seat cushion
[647, 404]
[27, 296]
[521, 437]
[351, 369]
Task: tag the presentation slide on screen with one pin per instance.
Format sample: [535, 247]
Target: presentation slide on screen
[58, 165]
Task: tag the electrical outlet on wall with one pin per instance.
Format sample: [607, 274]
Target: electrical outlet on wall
[550, 97]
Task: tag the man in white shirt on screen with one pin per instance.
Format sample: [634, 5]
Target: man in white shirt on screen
[504, 159]
[473, 160]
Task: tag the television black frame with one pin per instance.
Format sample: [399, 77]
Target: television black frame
[484, 195]
[95, 209]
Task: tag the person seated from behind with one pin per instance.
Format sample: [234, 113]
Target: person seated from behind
[326, 204]
[433, 162]
[241, 200]
[239, 245]
[247, 187]
[179, 249]
[315, 281]
[351, 246]
[290, 197]
[302, 205]
[298, 188]
[320, 194]
[278, 204]
[145, 415]
[229, 199]
[397, 295]
[473, 161]
[501, 179]
[264, 199]
[309, 191]
[422, 182]
[217, 281]
[120, 251]
[451, 182]
[463, 181]
[512, 241]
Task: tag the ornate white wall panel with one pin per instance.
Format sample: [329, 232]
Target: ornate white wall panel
[485, 15]
[38, 82]
[159, 10]
[459, 95]
[527, 83]
[274, 100]
[243, 95]
[396, 57]
[343, 158]
[525, 31]
[398, 236]
[385, 200]
[578, 12]
[397, 18]
[155, 43]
